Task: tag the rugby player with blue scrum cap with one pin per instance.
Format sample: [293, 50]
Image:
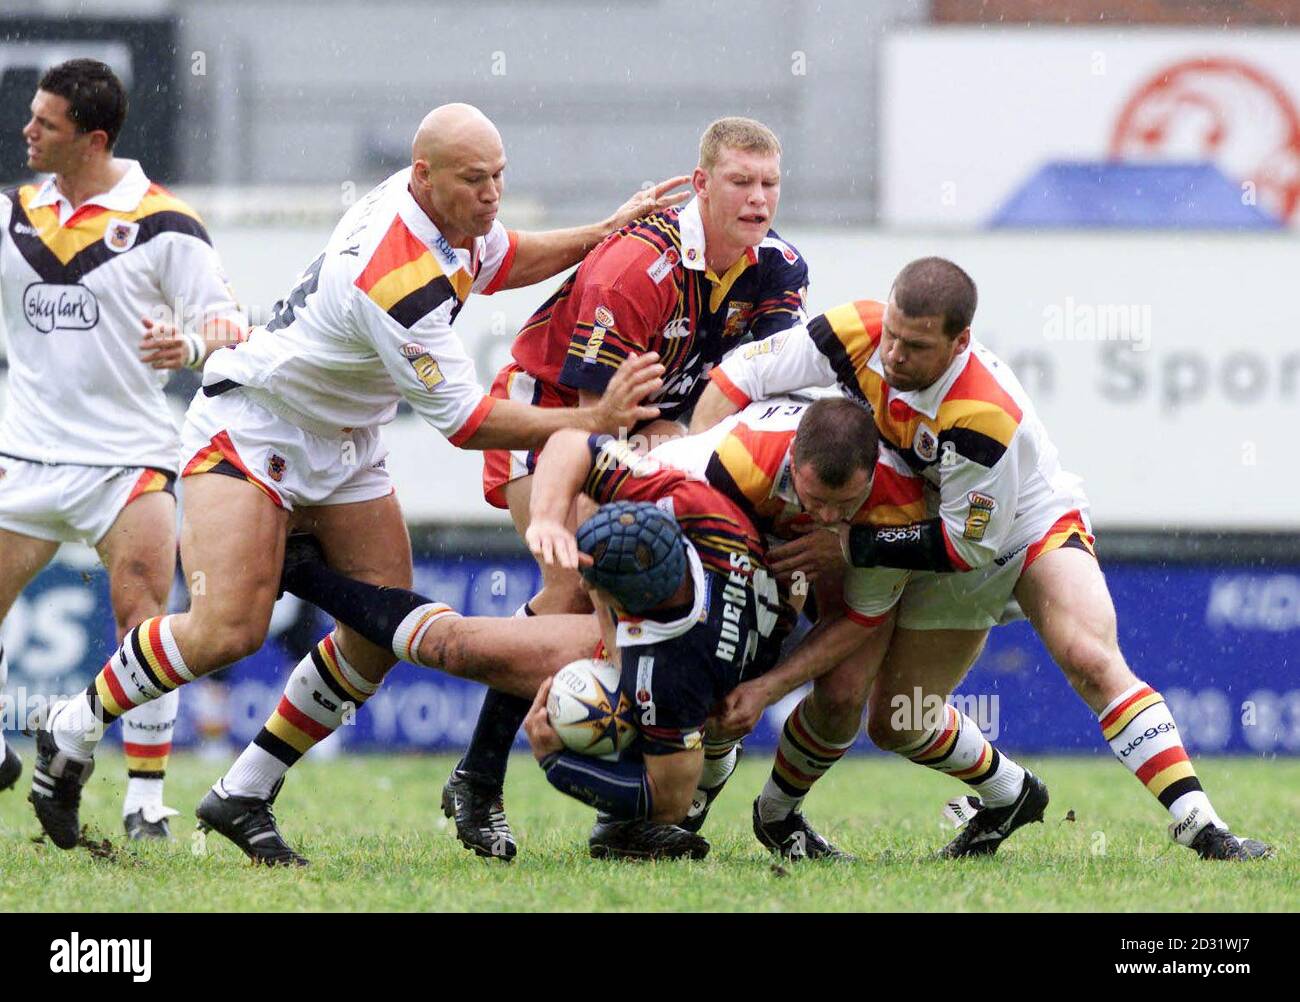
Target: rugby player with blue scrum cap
[676, 572]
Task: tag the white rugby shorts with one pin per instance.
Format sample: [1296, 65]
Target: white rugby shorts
[970, 600]
[233, 434]
[68, 503]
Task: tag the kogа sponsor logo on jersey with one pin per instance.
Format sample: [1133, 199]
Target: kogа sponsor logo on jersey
[49, 307]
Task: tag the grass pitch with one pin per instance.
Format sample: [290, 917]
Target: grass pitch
[378, 842]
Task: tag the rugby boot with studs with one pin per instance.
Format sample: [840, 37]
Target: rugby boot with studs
[643, 840]
[991, 826]
[793, 838]
[475, 803]
[249, 822]
[57, 781]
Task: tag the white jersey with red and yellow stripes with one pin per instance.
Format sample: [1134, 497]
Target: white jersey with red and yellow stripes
[369, 324]
[75, 284]
[973, 435]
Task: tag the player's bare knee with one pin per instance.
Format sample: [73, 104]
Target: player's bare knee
[208, 645]
[562, 593]
[1089, 660]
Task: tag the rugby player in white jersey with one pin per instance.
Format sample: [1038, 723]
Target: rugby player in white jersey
[91, 260]
[285, 432]
[1010, 538]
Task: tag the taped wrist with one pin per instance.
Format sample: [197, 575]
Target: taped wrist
[916, 547]
[620, 789]
[195, 349]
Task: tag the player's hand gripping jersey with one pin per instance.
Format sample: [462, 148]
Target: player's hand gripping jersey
[748, 456]
[645, 288]
[675, 671]
[973, 435]
[74, 285]
[369, 323]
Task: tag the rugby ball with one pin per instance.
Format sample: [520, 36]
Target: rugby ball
[588, 711]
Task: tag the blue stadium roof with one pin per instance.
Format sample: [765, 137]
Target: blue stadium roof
[1132, 195]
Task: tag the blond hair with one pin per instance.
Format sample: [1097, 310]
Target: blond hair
[736, 133]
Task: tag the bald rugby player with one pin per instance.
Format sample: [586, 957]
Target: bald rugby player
[285, 433]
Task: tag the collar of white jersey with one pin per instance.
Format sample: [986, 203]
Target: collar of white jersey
[691, 228]
[122, 197]
[783, 482]
[427, 232]
[925, 401]
[636, 632]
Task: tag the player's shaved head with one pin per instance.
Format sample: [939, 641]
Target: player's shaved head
[452, 132]
[457, 168]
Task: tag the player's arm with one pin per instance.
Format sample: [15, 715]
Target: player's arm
[513, 425]
[779, 364]
[653, 787]
[827, 644]
[539, 255]
[647, 436]
[978, 494]
[198, 313]
[604, 469]
[562, 469]
[430, 367]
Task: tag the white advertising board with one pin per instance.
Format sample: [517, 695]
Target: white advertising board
[1166, 368]
[968, 115]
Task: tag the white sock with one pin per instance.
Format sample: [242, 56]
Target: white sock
[75, 727]
[411, 630]
[142, 793]
[254, 774]
[147, 742]
[322, 693]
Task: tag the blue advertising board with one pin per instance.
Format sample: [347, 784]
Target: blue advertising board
[1219, 642]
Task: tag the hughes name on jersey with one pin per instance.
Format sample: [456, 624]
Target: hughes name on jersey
[75, 284]
[369, 323]
[674, 671]
[647, 288]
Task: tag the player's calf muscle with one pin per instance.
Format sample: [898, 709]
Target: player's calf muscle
[673, 779]
[510, 655]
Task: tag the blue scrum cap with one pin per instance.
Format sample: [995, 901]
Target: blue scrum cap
[637, 553]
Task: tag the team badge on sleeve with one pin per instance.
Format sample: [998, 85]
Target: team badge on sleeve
[602, 323]
[981, 511]
[424, 364]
